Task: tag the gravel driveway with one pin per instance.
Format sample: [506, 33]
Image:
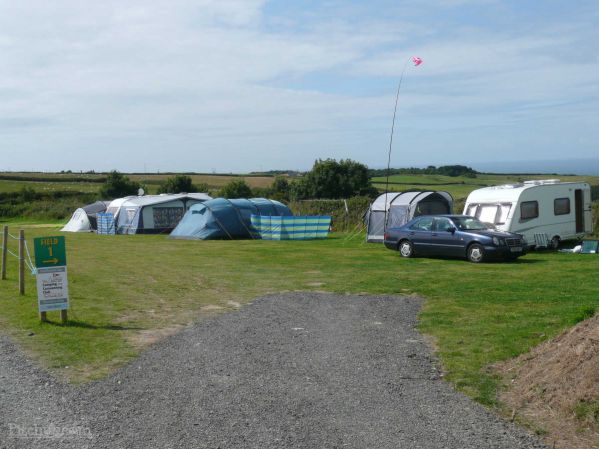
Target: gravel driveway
[298, 370]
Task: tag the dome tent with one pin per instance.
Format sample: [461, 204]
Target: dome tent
[401, 207]
[84, 219]
[223, 218]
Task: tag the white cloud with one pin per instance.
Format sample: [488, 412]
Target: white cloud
[209, 81]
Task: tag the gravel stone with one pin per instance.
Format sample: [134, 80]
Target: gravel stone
[299, 370]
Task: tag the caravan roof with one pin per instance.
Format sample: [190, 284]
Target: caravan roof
[511, 192]
[148, 200]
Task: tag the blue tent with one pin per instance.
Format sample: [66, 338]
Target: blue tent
[222, 218]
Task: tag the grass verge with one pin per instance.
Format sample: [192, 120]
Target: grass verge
[127, 290]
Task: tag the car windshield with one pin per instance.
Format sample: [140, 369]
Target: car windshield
[469, 223]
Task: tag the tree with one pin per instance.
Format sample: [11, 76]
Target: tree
[331, 179]
[181, 184]
[236, 189]
[117, 185]
[280, 189]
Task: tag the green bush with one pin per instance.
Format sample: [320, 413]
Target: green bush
[117, 185]
[330, 179]
[236, 189]
[181, 184]
[349, 219]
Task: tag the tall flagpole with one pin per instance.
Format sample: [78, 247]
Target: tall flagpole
[417, 61]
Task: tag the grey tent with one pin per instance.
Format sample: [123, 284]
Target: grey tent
[401, 207]
[84, 219]
[222, 218]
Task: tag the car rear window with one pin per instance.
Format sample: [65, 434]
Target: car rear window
[424, 224]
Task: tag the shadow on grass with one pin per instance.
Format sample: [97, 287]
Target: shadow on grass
[527, 261]
[84, 325]
[518, 261]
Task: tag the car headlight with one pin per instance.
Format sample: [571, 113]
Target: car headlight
[497, 241]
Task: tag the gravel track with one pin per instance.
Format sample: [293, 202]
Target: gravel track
[299, 370]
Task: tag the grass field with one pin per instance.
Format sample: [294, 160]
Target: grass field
[49, 187]
[48, 182]
[126, 291]
[461, 186]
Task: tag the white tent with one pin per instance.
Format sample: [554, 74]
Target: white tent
[84, 218]
[400, 207]
[78, 222]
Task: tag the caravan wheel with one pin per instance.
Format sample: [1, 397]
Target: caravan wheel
[406, 249]
[554, 243]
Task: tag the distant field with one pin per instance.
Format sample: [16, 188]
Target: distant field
[213, 181]
[461, 186]
[477, 314]
[76, 189]
[42, 186]
[73, 182]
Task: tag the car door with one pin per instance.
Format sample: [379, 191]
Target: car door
[447, 243]
[421, 235]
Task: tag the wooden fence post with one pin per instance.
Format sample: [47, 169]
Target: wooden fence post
[4, 250]
[22, 262]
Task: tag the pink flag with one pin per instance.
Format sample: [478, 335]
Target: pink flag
[416, 60]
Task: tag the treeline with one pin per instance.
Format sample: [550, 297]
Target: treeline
[445, 170]
[328, 179]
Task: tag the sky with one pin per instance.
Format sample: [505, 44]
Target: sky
[253, 85]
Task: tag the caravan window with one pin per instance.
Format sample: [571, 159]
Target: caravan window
[472, 210]
[529, 209]
[490, 213]
[504, 210]
[561, 206]
[487, 213]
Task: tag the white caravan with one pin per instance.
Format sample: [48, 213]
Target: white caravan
[543, 211]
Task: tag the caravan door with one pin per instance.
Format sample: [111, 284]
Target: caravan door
[579, 210]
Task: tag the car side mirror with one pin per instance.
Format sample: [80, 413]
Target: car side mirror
[452, 230]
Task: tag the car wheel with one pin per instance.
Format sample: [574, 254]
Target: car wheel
[406, 249]
[476, 253]
[554, 243]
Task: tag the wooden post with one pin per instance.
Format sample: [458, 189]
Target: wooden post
[22, 262]
[63, 316]
[4, 250]
[43, 316]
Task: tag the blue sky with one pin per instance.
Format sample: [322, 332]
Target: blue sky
[242, 85]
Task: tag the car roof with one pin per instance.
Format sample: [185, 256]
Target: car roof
[446, 216]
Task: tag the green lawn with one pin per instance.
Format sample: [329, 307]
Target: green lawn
[129, 289]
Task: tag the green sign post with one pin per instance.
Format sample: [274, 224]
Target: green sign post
[52, 284]
[50, 252]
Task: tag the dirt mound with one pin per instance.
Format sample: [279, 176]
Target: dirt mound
[555, 387]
